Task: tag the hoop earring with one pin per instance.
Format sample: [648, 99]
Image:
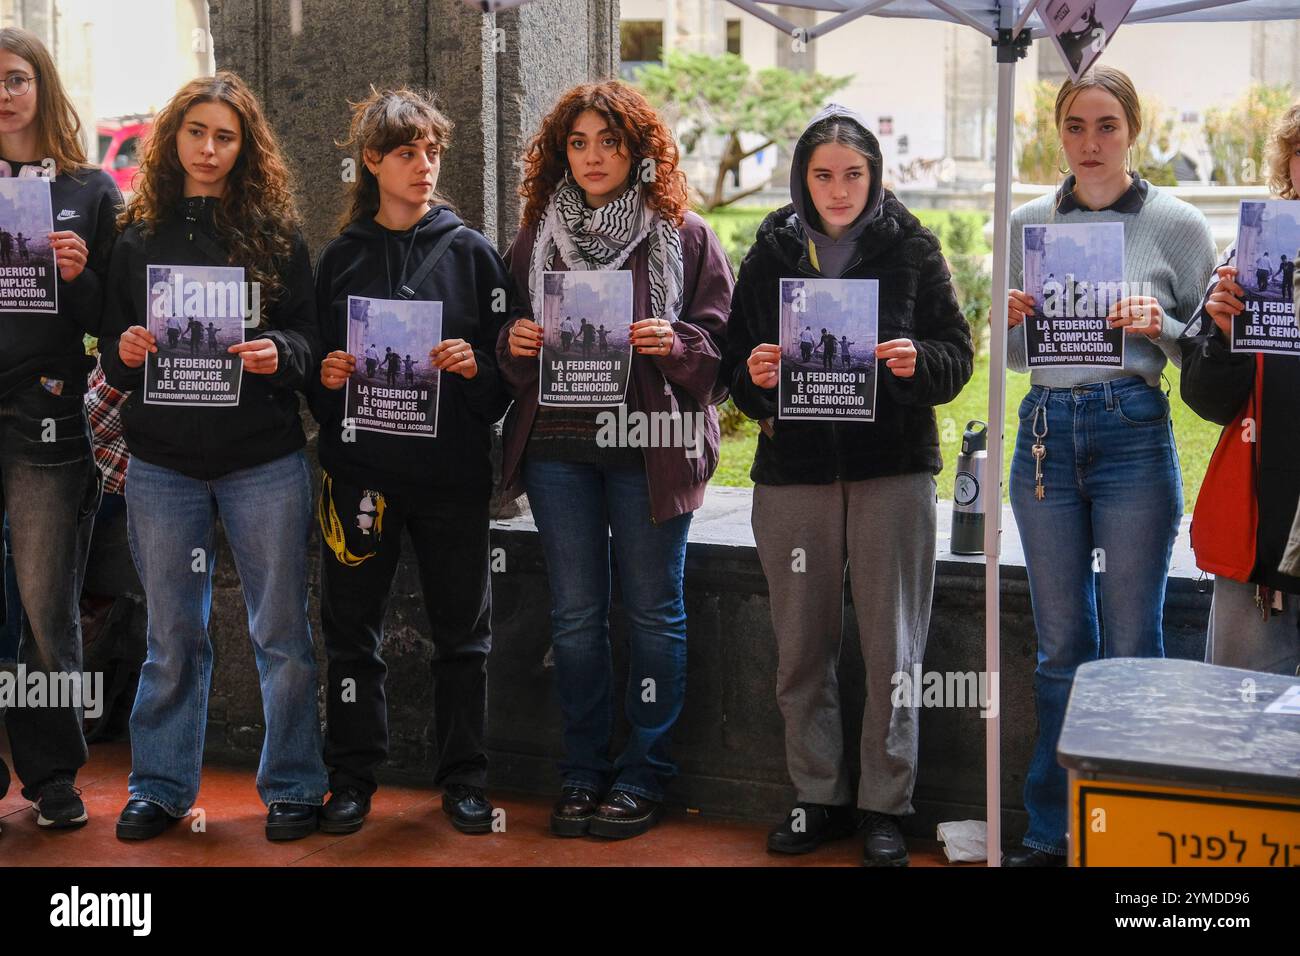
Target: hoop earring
[1060, 154]
[568, 180]
[1130, 160]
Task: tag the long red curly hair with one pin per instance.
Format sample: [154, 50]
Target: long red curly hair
[640, 130]
[256, 216]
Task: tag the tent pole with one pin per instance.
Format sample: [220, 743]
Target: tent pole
[1011, 45]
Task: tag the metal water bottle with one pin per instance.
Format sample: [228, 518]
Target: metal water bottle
[968, 490]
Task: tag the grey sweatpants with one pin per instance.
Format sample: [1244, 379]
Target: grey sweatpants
[884, 529]
[1240, 636]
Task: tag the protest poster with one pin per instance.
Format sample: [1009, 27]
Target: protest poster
[1081, 29]
[394, 387]
[195, 314]
[29, 277]
[829, 331]
[586, 351]
[1075, 274]
[1268, 241]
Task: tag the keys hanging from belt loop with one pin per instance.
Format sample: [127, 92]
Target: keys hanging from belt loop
[1039, 451]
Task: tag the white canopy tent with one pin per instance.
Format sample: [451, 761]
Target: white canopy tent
[1009, 25]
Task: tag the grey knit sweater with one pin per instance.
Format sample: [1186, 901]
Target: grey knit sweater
[1167, 243]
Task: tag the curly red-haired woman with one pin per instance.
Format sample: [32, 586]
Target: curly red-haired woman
[603, 193]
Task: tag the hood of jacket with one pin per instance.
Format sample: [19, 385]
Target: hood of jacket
[402, 250]
[834, 254]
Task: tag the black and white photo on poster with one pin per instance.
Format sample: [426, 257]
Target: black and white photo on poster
[1268, 241]
[1075, 273]
[394, 387]
[195, 314]
[829, 332]
[1082, 28]
[586, 351]
[29, 276]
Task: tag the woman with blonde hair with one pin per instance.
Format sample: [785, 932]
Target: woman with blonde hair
[49, 484]
[214, 191]
[1240, 529]
[1098, 506]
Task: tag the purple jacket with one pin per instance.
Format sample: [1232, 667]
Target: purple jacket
[686, 380]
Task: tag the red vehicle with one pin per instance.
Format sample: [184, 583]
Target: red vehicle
[120, 141]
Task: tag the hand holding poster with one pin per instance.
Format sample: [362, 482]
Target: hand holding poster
[1075, 273]
[195, 314]
[586, 338]
[28, 273]
[1082, 28]
[829, 330]
[1268, 241]
[394, 387]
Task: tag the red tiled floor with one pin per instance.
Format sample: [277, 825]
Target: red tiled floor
[406, 827]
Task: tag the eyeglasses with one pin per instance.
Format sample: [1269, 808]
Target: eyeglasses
[16, 84]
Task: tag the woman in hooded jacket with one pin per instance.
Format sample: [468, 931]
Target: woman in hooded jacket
[402, 240]
[827, 494]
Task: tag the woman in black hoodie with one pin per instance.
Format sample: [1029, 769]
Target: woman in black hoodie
[402, 244]
[213, 191]
[827, 493]
[48, 480]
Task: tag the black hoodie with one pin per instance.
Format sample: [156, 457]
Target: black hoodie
[917, 302]
[477, 296]
[207, 443]
[85, 202]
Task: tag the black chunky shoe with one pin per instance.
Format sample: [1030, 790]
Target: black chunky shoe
[809, 825]
[468, 808]
[142, 820]
[622, 814]
[572, 813]
[345, 811]
[884, 845]
[291, 821]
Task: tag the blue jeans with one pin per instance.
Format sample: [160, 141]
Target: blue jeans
[49, 490]
[171, 525]
[1113, 497]
[580, 509]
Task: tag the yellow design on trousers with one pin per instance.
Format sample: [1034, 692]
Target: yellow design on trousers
[331, 528]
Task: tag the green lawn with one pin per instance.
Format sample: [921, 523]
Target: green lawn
[1195, 436]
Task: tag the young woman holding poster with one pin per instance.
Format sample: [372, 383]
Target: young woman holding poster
[213, 190]
[1243, 514]
[603, 192]
[402, 240]
[857, 492]
[49, 485]
[1110, 498]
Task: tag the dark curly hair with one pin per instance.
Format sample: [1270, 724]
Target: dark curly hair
[256, 217]
[639, 129]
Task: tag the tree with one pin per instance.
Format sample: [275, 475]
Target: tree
[701, 95]
[1237, 134]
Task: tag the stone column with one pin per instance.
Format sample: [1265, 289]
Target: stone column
[494, 76]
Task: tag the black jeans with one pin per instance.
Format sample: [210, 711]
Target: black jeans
[49, 488]
[357, 568]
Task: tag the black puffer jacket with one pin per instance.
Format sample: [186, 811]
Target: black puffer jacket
[917, 302]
